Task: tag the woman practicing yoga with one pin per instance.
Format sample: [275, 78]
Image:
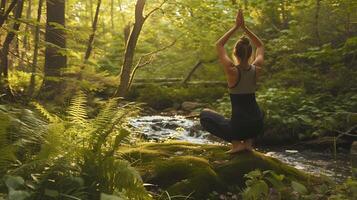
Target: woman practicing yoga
[246, 121]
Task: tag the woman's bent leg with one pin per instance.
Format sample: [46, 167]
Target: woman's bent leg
[216, 124]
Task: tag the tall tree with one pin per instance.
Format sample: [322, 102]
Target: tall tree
[94, 29]
[126, 70]
[4, 14]
[4, 53]
[35, 51]
[55, 58]
[26, 40]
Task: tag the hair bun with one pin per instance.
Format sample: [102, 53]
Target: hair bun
[244, 40]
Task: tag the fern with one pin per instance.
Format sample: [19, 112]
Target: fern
[77, 113]
[51, 118]
[72, 146]
[20, 131]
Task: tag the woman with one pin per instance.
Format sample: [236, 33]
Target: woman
[246, 121]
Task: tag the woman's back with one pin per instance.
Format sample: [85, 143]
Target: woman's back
[242, 95]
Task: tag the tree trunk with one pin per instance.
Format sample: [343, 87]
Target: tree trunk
[126, 33]
[130, 49]
[246, 5]
[317, 15]
[94, 29]
[4, 72]
[35, 51]
[193, 70]
[199, 63]
[284, 14]
[26, 41]
[55, 60]
[5, 15]
[2, 7]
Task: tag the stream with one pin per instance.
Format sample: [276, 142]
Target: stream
[158, 128]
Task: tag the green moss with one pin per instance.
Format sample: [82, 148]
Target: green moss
[197, 170]
[233, 171]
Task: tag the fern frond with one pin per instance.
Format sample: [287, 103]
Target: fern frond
[106, 114]
[77, 113]
[50, 117]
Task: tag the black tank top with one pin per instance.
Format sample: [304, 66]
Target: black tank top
[244, 105]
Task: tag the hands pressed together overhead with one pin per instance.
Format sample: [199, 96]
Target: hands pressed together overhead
[240, 19]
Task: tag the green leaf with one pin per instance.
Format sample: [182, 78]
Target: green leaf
[14, 182]
[18, 195]
[51, 193]
[298, 187]
[256, 191]
[109, 197]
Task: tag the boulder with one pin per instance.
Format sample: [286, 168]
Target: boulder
[190, 106]
[198, 169]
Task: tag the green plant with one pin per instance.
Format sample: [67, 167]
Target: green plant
[270, 185]
[161, 97]
[77, 156]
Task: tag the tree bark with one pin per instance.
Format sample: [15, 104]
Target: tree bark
[5, 15]
[126, 33]
[193, 70]
[55, 60]
[35, 51]
[94, 29]
[26, 41]
[197, 65]
[284, 14]
[130, 49]
[2, 7]
[4, 64]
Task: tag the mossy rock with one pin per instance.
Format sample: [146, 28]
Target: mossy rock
[197, 170]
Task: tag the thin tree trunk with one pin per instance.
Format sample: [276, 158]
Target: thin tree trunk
[284, 14]
[126, 33]
[35, 51]
[193, 70]
[55, 60]
[197, 65]
[5, 15]
[317, 15]
[130, 49]
[94, 29]
[4, 73]
[245, 4]
[26, 41]
[2, 7]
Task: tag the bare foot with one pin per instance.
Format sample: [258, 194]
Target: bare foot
[249, 145]
[237, 146]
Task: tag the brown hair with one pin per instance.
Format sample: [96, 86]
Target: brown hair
[243, 49]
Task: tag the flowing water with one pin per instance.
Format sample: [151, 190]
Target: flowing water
[162, 128]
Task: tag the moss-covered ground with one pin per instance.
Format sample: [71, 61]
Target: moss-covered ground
[198, 169]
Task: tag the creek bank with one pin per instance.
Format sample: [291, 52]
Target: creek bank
[268, 139]
[184, 168]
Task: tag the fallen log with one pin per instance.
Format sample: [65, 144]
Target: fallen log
[173, 83]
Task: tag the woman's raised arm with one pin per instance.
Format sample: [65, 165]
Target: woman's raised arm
[259, 54]
[222, 54]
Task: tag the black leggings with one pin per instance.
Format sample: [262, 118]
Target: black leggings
[224, 128]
